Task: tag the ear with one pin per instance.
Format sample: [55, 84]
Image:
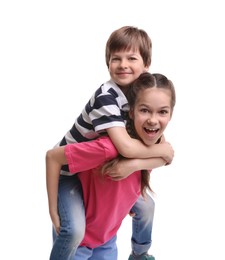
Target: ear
[146, 69]
[131, 114]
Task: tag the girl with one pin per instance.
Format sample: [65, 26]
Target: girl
[106, 201]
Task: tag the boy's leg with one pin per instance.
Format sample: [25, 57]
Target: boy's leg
[108, 251]
[72, 219]
[142, 225]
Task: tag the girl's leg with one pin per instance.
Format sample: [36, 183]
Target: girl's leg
[83, 253]
[142, 224]
[108, 251]
[72, 219]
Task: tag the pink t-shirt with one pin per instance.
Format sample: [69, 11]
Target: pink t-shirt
[107, 202]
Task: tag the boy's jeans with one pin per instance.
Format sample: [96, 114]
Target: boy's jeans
[142, 224]
[72, 217]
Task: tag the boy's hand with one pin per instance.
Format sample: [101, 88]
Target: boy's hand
[167, 149]
[168, 152]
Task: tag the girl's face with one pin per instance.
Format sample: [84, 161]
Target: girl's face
[126, 66]
[151, 113]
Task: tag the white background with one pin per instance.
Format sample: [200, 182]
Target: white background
[52, 60]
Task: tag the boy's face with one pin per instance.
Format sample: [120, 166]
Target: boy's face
[151, 114]
[125, 67]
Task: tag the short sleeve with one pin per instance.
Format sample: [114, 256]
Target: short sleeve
[89, 155]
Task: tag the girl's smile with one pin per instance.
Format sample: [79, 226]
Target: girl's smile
[151, 114]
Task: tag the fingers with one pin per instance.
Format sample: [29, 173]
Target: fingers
[132, 214]
[115, 178]
[57, 229]
[56, 223]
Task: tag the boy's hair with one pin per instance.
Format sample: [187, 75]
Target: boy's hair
[129, 38]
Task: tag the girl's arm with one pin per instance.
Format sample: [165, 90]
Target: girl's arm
[55, 158]
[122, 168]
[133, 148]
[75, 155]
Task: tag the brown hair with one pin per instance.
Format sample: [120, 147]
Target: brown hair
[148, 80]
[127, 38]
[145, 81]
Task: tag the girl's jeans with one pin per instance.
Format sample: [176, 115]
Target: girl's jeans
[72, 217]
[108, 251]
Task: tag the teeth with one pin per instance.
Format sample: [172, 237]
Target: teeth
[151, 129]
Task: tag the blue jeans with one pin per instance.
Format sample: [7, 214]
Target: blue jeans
[72, 219]
[107, 251]
[142, 224]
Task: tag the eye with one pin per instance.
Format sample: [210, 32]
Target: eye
[114, 59]
[132, 58]
[164, 112]
[144, 110]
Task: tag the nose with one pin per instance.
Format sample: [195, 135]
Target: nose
[123, 63]
[152, 120]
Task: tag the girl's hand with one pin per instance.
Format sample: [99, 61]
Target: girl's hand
[55, 221]
[120, 170]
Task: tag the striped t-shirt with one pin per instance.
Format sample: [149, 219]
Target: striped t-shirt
[107, 108]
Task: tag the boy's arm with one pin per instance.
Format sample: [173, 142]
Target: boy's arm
[133, 148]
[55, 158]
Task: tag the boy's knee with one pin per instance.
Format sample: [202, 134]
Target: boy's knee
[146, 207]
[73, 234]
[150, 203]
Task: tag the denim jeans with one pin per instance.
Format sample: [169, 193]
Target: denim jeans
[108, 251]
[72, 219]
[142, 224]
